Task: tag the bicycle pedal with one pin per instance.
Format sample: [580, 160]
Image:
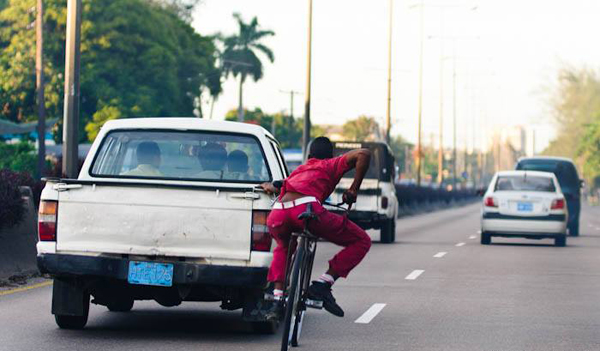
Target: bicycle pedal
[314, 304]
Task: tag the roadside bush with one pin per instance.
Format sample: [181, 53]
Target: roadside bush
[18, 157]
[12, 210]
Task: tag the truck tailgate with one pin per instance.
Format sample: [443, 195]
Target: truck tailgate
[157, 221]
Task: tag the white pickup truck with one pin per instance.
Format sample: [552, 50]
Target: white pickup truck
[164, 209]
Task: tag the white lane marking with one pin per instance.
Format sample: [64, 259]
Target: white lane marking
[460, 244]
[414, 274]
[473, 237]
[369, 314]
[440, 254]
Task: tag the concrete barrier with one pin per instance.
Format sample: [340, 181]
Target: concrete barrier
[17, 244]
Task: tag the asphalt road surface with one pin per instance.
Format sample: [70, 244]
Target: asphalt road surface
[437, 288]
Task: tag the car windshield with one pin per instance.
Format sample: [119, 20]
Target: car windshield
[525, 183]
[194, 156]
[564, 171]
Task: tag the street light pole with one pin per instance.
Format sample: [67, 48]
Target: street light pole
[71, 99]
[389, 82]
[39, 83]
[419, 151]
[306, 131]
[454, 174]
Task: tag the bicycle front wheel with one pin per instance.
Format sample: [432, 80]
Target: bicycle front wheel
[293, 300]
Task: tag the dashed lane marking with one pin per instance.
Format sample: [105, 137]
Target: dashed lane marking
[25, 288]
[414, 274]
[369, 314]
[473, 237]
[440, 254]
[460, 244]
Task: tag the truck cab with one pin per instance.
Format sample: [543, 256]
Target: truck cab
[164, 209]
[377, 203]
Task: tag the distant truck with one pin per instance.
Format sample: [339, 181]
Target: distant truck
[164, 209]
[377, 203]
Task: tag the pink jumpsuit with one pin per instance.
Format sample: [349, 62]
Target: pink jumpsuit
[317, 178]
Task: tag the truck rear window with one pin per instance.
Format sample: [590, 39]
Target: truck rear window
[181, 155]
[525, 183]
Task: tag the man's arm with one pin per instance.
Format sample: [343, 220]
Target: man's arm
[359, 159]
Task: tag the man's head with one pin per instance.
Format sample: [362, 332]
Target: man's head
[321, 148]
[237, 161]
[148, 153]
[212, 157]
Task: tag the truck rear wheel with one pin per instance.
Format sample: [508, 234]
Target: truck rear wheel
[70, 303]
[388, 231]
[122, 305]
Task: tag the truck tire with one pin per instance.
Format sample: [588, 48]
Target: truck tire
[560, 241]
[574, 229]
[122, 305]
[388, 231]
[70, 304]
[486, 238]
[265, 328]
[71, 322]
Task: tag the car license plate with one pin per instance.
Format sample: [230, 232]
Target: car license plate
[524, 206]
[150, 273]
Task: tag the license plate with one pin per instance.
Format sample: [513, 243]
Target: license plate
[524, 207]
[150, 273]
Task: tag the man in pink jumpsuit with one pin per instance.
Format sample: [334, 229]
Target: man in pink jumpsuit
[313, 182]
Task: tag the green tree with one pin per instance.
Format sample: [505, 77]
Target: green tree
[137, 56]
[240, 57]
[102, 116]
[363, 128]
[19, 157]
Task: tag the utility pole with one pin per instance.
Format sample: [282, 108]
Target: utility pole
[306, 131]
[419, 146]
[39, 83]
[440, 177]
[71, 100]
[389, 82]
[454, 165]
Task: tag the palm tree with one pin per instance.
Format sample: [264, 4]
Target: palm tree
[240, 54]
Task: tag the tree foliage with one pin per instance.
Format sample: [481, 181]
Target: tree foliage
[576, 107]
[137, 56]
[287, 130]
[363, 128]
[240, 55]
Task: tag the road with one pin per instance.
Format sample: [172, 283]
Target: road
[516, 294]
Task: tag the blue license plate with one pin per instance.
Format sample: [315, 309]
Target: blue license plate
[150, 273]
[524, 206]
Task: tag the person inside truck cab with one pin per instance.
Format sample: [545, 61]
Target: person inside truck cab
[237, 166]
[313, 182]
[148, 158]
[212, 157]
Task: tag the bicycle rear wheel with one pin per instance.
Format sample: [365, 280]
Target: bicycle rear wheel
[293, 300]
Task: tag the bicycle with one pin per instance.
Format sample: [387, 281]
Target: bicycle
[297, 279]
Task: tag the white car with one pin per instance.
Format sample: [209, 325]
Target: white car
[525, 204]
[164, 209]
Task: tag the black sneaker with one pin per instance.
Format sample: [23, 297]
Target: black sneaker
[322, 292]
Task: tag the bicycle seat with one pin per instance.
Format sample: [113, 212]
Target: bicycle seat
[308, 214]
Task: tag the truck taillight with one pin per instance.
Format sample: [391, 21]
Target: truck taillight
[490, 202]
[558, 204]
[384, 202]
[261, 239]
[47, 215]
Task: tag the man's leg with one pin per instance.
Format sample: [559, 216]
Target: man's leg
[341, 231]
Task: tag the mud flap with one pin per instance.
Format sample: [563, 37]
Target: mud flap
[69, 298]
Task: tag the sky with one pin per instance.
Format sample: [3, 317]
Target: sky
[505, 54]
